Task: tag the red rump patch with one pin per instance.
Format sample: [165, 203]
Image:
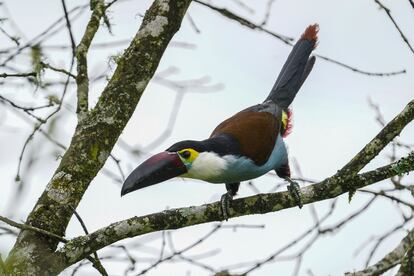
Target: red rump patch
[289, 123]
[311, 33]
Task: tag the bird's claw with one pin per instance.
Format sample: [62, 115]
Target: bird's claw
[225, 205]
[294, 190]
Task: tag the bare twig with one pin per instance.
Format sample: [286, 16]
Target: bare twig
[383, 138]
[245, 22]
[12, 38]
[356, 70]
[390, 260]
[383, 237]
[69, 27]
[95, 261]
[32, 228]
[52, 29]
[292, 243]
[388, 11]
[242, 5]
[60, 70]
[193, 24]
[21, 75]
[268, 11]
[393, 198]
[288, 40]
[177, 253]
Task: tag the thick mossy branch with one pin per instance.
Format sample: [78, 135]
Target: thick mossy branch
[94, 138]
[76, 249]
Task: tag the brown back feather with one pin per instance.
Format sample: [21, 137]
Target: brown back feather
[255, 131]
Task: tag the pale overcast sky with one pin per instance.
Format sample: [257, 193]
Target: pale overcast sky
[332, 122]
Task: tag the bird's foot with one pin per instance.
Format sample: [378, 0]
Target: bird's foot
[225, 205]
[294, 190]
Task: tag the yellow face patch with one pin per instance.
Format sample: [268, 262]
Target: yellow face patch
[284, 119]
[188, 155]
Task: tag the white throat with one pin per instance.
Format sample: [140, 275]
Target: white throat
[207, 166]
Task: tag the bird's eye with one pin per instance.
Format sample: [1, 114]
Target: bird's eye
[186, 154]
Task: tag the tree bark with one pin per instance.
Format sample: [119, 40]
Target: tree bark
[93, 140]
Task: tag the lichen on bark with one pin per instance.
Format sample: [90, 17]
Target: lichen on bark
[95, 135]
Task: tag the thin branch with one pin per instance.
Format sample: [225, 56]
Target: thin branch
[373, 74]
[60, 70]
[95, 261]
[12, 38]
[288, 40]
[69, 27]
[21, 75]
[32, 228]
[38, 126]
[383, 138]
[193, 24]
[390, 260]
[49, 31]
[178, 253]
[268, 11]
[8, 231]
[82, 49]
[242, 5]
[344, 221]
[383, 237]
[293, 242]
[245, 22]
[388, 11]
[393, 198]
[27, 109]
[24, 108]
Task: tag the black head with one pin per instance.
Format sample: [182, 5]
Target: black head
[175, 161]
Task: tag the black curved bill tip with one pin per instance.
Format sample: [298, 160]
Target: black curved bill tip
[158, 168]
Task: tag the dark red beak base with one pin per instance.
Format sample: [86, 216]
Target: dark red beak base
[158, 168]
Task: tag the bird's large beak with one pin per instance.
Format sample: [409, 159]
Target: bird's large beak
[158, 168]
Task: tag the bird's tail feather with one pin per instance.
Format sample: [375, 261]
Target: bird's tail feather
[296, 68]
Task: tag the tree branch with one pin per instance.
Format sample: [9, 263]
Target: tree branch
[388, 11]
[76, 249]
[95, 259]
[356, 70]
[329, 188]
[407, 263]
[82, 49]
[288, 40]
[95, 136]
[21, 75]
[60, 70]
[383, 138]
[245, 22]
[390, 260]
[31, 228]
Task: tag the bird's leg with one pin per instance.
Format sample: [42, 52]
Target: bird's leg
[226, 198]
[294, 190]
[293, 187]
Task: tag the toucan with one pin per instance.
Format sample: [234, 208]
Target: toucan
[243, 147]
